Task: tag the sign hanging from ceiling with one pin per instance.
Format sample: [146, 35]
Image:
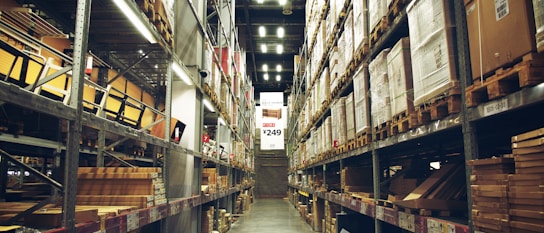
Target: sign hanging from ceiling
[272, 122]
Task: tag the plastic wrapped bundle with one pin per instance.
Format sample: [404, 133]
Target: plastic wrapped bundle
[360, 99]
[338, 118]
[431, 46]
[350, 117]
[377, 9]
[538, 7]
[327, 136]
[380, 108]
[399, 70]
[360, 12]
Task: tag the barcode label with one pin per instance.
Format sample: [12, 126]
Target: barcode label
[501, 9]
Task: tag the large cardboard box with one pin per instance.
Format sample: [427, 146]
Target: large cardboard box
[499, 32]
[380, 106]
[399, 71]
[360, 98]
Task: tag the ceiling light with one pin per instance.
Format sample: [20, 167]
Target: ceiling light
[181, 73]
[208, 105]
[156, 66]
[279, 49]
[278, 68]
[260, 1]
[262, 31]
[264, 49]
[265, 68]
[265, 77]
[282, 2]
[278, 77]
[281, 32]
[136, 21]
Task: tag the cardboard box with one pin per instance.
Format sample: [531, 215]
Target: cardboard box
[500, 32]
[380, 107]
[399, 71]
[350, 117]
[360, 98]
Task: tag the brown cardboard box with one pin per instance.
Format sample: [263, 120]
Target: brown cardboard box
[497, 39]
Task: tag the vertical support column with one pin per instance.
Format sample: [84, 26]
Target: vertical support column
[465, 77]
[101, 141]
[377, 174]
[83, 13]
[4, 177]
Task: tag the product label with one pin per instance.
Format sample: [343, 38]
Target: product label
[495, 107]
[407, 221]
[501, 9]
[133, 221]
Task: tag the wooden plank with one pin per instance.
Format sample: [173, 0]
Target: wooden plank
[53, 217]
[528, 150]
[529, 157]
[119, 169]
[528, 226]
[526, 192]
[489, 188]
[528, 135]
[432, 204]
[529, 143]
[428, 185]
[527, 214]
[490, 161]
[150, 175]
[528, 164]
[531, 170]
[114, 198]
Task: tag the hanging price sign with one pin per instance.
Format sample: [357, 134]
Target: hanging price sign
[272, 127]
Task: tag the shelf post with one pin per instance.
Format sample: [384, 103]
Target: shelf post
[83, 13]
[470, 145]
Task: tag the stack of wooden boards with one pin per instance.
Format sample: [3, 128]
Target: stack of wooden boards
[444, 191]
[508, 193]
[50, 216]
[137, 186]
[207, 220]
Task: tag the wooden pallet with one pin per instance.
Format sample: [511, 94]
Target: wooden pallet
[379, 30]
[395, 8]
[424, 212]
[403, 122]
[342, 149]
[382, 131]
[361, 53]
[438, 108]
[351, 145]
[385, 203]
[506, 80]
[364, 138]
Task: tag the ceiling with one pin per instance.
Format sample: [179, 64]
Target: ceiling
[250, 15]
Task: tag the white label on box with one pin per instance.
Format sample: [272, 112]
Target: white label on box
[496, 107]
[354, 202]
[174, 209]
[380, 213]
[407, 221]
[154, 214]
[363, 208]
[133, 221]
[501, 9]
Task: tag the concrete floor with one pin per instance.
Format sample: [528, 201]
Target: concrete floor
[271, 216]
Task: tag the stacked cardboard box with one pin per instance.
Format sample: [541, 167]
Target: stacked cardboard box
[377, 9]
[335, 70]
[399, 71]
[327, 135]
[141, 187]
[318, 214]
[526, 193]
[209, 180]
[330, 217]
[490, 47]
[360, 27]
[338, 118]
[348, 40]
[360, 98]
[223, 221]
[538, 7]
[350, 117]
[207, 220]
[357, 179]
[380, 107]
[490, 193]
[431, 30]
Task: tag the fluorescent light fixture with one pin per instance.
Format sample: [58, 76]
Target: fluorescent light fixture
[260, 1]
[282, 2]
[262, 31]
[278, 68]
[264, 49]
[278, 77]
[208, 105]
[281, 32]
[181, 73]
[265, 77]
[135, 20]
[279, 49]
[221, 121]
[156, 66]
[265, 67]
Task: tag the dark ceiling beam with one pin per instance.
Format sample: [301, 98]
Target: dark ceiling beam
[271, 6]
[249, 33]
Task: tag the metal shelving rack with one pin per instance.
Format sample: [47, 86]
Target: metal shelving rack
[467, 132]
[153, 80]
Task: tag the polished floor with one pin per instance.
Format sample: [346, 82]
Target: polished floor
[271, 216]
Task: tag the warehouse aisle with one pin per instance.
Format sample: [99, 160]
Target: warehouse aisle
[271, 216]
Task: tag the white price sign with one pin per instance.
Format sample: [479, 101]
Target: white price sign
[271, 123]
[133, 221]
[495, 107]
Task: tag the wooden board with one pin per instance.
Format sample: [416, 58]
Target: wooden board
[428, 185]
[527, 226]
[432, 204]
[490, 161]
[528, 143]
[529, 157]
[528, 150]
[530, 170]
[53, 217]
[526, 193]
[489, 188]
[119, 170]
[528, 135]
[527, 214]
[150, 175]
